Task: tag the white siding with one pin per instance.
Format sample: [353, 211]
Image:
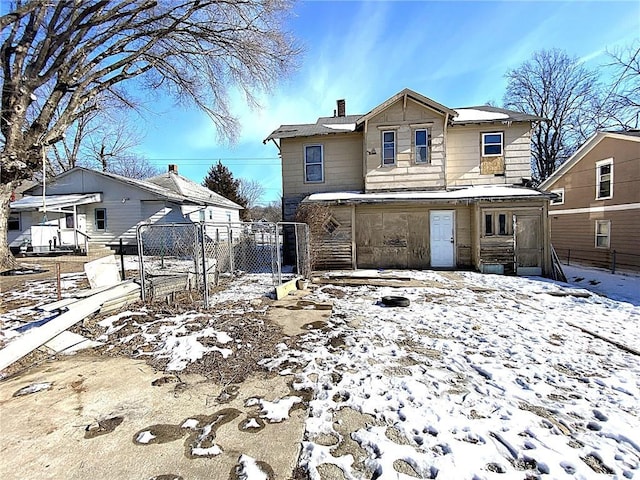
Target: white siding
[406, 173]
[463, 154]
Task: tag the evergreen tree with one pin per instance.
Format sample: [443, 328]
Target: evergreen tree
[220, 180]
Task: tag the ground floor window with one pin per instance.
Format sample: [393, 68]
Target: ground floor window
[603, 233]
[14, 222]
[101, 218]
[497, 224]
[68, 220]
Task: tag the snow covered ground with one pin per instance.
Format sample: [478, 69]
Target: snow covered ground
[482, 376]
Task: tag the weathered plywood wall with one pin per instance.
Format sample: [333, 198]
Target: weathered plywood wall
[398, 237]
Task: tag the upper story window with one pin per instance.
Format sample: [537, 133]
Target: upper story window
[313, 164]
[388, 147]
[422, 141]
[604, 179]
[559, 200]
[492, 144]
[491, 154]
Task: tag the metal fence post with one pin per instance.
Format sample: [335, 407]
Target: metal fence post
[230, 237]
[613, 262]
[279, 253]
[568, 256]
[205, 272]
[141, 263]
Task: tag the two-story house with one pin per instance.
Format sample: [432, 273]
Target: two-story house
[596, 213]
[416, 184]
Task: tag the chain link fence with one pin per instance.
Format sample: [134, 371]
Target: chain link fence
[197, 257]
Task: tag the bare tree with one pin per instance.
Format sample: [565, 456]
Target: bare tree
[622, 101]
[59, 58]
[558, 88]
[251, 191]
[272, 212]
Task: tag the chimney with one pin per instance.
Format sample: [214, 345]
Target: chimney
[173, 169]
[341, 108]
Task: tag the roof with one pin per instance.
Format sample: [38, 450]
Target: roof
[485, 192]
[192, 190]
[323, 126]
[351, 123]
[488, 114]
[595, 139]
[55, 201]
[404, 94]
[178, 190]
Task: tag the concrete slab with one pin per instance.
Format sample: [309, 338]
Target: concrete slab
[91, 423]
[296, 315]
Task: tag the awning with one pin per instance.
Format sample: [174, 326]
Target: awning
[54, 202]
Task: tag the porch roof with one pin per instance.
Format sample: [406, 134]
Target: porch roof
[475, 193]
[55, 201]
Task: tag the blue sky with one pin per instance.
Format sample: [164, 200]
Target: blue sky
[365, 52]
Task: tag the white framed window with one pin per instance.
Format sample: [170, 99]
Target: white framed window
[603, 233]
[559, 200]
[313, 164]
[201, 215]
[388, 148]
[492, 144]
[101, 218]
[604, 179]
[421, 142]
[13, 224]
[228, 214]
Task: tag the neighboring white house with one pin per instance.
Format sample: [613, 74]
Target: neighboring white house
[83, 209]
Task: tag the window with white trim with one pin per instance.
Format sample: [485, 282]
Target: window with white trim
[559, 200]
[13, 224]
[388, 148]
[313, 164]
[492, 144]
[603, 233]
[604, 179]
[421, 141]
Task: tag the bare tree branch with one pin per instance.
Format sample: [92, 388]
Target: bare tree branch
[59, 58]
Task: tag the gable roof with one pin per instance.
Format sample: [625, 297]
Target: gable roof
[352, 123]
[192, 190]
[183, 194]
[404, 94]
[590, 144]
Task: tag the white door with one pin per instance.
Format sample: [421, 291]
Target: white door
[441, 238]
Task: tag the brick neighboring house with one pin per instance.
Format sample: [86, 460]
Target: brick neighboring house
[416, 184]
[597, 210]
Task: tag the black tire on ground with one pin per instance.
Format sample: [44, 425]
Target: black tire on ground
[395, 301]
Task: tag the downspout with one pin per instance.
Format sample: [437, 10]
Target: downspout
[444, 140]
[364, 154]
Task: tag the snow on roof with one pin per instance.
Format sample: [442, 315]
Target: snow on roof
[350, 127]
[475, 115]
[486, 191]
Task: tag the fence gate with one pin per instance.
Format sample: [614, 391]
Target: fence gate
[178, 257]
